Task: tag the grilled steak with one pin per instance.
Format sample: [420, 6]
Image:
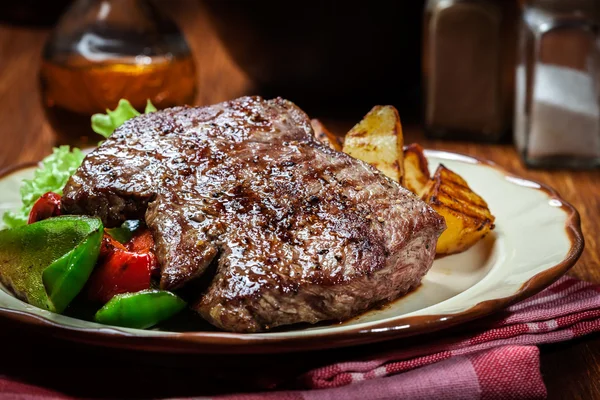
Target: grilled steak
[298, 232]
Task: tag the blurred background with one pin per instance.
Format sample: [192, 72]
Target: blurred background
[322, 54]
[492, 71]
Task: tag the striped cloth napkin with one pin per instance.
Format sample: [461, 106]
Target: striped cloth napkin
[495, 358]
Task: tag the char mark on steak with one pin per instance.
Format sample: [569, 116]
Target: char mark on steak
[299, 232]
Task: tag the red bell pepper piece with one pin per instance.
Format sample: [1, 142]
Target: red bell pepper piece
[109, 245]
[123, 268]
[143, 242]
[121, 271]
[45, 207]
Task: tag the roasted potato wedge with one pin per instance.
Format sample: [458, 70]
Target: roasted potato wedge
[468, 218]
[324, 135]
[416, 171]
[378, 140]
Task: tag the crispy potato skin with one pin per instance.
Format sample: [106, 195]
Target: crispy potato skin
[377, 139]
[416, 170]
[468, 218]
[324, 135]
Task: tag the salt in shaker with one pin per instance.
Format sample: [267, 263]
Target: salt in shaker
[557, 112]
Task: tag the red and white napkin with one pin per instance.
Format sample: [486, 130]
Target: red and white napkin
[491, 359]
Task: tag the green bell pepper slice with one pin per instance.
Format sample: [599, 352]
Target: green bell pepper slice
[47, 263]
[140, 310]
[124, 233]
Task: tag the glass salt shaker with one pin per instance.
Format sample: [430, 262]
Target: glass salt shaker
[468, 68]
[557, 112]
[105, 50]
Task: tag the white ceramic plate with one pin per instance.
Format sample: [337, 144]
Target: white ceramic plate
[536, 240]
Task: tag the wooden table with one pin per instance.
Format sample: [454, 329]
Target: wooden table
[571, 370]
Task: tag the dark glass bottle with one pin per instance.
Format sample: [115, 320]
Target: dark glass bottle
[105, 50]
[468, 68]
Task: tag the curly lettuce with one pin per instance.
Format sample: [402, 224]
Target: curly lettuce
[55, 170]
[51, 176]
[105, 124]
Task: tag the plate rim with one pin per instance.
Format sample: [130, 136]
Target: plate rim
[219, 342]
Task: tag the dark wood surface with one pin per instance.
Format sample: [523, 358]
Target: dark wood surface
[571, 370]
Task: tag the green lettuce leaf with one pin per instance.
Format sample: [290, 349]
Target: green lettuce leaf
[105, 124]
[51, 176]
[149, 107]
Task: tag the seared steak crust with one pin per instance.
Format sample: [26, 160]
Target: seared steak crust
[299, 232]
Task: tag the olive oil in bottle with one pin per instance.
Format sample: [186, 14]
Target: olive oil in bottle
[103, 51]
